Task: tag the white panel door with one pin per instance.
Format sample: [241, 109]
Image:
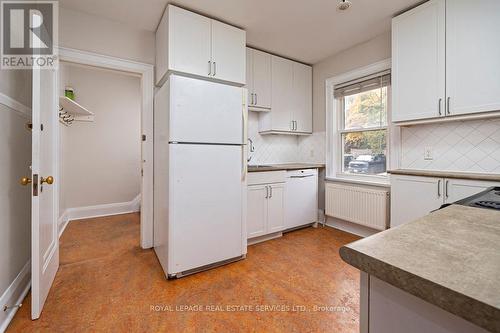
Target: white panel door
[205, 112]
[189, 42]
[473, 56]
[44, 201]
[276, 208]
[301, 199]
[282, 77]
[257, 210]
[458, 189]
[262, 79]
[206, 205]
[302, 97]
[249, 78]
[414, 197]
[418, 62]
[228, 52]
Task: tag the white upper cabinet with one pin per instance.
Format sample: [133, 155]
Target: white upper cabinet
[291, 96]
[418, 60]
[302, 98]
[446, 60]
[259, 79]
[473, 56]
[228, 52]
[193, 44]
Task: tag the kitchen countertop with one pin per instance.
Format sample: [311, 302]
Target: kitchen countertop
[286, 166]
[447, 174]
[450, 258]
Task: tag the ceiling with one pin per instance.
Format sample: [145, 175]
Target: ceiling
[308, 31]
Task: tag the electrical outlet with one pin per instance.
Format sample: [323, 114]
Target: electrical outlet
[428, 154]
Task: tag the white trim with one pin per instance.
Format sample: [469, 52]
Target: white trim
[87, 212]
[146, 71]
[350, 227]
[21, 109]
[15, 294]
[332, 124]
[351, 180]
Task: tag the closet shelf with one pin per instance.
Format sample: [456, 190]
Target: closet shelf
[74, 109]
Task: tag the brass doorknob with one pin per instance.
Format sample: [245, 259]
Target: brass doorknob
[25, 181]
[49, 180]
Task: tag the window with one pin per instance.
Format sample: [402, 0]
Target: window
[363, 110]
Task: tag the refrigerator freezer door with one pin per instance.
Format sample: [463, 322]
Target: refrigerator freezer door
[206, 205]
[205, 112]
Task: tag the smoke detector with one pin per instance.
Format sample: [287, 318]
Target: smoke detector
[344, 5]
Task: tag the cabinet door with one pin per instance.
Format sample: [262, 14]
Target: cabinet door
[189, 42]
[414, 197]
[262, 79]
[302, 97]
[458, 189]
[256, 210]
[276, 208]
[473, 56]
[282, 77]
[418, 62]
[228, 52]
[249, 78]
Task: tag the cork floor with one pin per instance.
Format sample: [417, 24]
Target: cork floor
[107, 283]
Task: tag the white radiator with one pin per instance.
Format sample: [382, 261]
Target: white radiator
[359, 205]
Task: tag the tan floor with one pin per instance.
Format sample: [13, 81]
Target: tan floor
[107, 283]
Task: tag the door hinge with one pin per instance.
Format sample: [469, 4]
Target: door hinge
[35, 185]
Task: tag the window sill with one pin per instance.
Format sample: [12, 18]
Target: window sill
[382, 182]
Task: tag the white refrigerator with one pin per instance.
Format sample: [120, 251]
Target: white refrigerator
[200, 175]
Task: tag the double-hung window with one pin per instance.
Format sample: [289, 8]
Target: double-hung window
[362, 118]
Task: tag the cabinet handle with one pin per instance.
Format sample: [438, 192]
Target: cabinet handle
[209, 68]
[291, 125]
[439, 106]
[448, 105]
[270, 191]
[446, 189]
[255, 99]
[215, 68]
[267, 192]
[439, 188]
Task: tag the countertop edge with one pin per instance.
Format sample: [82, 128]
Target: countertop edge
[284, 167]
[446, 174]
[470, 309]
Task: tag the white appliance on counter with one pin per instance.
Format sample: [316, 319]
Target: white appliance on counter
[301, 198]
[200, 175]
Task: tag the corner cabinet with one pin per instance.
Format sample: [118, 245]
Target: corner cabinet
[413, 197]
[291, 95]
[190, 43]
[258, 80]
[446, 60]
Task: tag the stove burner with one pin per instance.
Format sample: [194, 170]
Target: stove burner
[488, 204]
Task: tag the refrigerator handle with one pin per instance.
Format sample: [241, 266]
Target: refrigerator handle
[243, 163]
[244, 115]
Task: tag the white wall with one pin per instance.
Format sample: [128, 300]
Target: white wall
[15, 202]
[101, 160]
[87, 32]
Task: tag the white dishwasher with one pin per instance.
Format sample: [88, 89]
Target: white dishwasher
[301, 198]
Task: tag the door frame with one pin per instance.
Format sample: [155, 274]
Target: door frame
[147, 91]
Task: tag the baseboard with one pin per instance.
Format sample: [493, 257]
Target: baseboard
[15, 294]
[352, 228]
[80, 213]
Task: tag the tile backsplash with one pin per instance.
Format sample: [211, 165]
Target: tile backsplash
[467, 146]
[273, 149]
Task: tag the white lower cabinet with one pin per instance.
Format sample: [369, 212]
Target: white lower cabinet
[413, 197]
[266, 203]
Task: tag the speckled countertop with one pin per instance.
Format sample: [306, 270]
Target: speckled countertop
[450, 258]
[287, 166]
[447, 174]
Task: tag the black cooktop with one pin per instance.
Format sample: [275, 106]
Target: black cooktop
[489, 199]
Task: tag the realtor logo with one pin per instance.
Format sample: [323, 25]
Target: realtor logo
[29, 34]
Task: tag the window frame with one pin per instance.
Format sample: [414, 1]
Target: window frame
[334, 129]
